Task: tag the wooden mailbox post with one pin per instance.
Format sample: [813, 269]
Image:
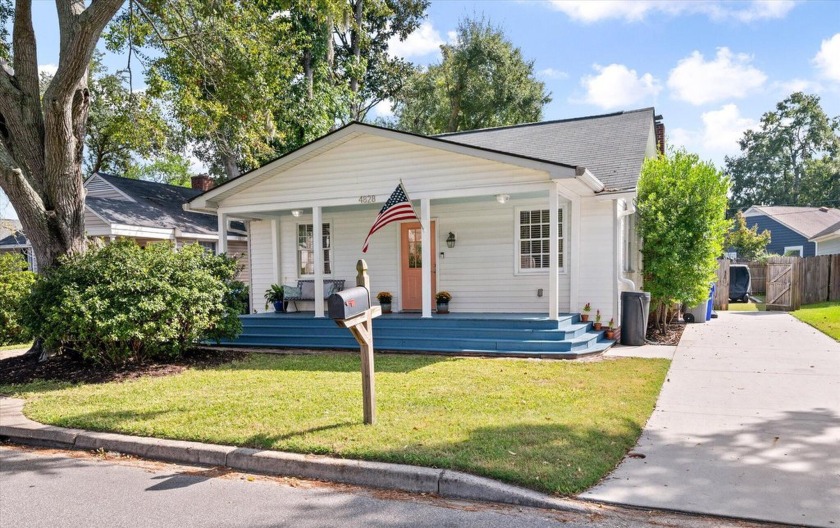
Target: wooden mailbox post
[361, 326]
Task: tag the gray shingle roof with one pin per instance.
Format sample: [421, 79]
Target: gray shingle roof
[15, 239]
[8, 227]
[611, 146]
[157, 205]
[807, 221]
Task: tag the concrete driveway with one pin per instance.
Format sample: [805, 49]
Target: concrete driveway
[747, 425]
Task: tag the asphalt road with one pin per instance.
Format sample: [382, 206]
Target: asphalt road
[40, 487]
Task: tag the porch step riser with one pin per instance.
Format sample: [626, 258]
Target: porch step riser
[417, 343]
[433, 323]
[382, 331]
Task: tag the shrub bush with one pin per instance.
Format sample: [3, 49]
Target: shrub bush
[122, 303]
[15, 284]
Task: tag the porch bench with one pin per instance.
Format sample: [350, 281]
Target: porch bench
[306, 290]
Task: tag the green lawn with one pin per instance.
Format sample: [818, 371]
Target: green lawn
[555, 426]
[825, 317]
[15, 347]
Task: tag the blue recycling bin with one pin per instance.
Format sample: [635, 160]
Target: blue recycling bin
[711, 303]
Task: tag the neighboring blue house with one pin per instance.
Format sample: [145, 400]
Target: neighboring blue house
[792, 228]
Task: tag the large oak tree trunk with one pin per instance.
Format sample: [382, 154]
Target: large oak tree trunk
[41, 142]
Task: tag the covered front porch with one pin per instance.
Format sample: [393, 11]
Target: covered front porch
[457, 334]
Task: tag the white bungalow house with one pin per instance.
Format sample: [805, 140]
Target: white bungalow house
[533, 218]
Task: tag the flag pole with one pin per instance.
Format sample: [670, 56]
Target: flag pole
[410, 202]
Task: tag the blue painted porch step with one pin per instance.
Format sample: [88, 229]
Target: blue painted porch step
[484, 334]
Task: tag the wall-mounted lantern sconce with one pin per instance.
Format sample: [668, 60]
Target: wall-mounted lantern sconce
[450, 240]
[296, 212]
[502, 198]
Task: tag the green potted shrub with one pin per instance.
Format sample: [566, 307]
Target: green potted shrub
[610, 333]
[584, 316]
[274, 295]
[597, 324]
[385, 299]
[443, 298]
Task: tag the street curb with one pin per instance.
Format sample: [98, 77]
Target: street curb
[16, 427]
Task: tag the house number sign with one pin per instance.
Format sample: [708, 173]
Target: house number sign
[367, 198]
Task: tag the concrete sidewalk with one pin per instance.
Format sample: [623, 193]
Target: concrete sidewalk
[747, 425]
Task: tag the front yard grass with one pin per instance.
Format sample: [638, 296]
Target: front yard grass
[825, 317]
[19, 346]
[555, 426]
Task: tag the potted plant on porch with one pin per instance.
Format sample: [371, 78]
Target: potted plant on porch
[385, 301]
[597, 324]
[443, 298]
[274, 295]
[584, 316]
[610, 333]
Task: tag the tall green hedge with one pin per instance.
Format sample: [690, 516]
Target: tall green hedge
[122, 303]
[682, 220]
[15, 283]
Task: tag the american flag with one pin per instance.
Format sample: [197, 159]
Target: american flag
[396, 208]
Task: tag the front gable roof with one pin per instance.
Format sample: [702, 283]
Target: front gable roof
[556, 169]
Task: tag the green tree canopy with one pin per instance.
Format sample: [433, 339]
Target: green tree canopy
[249, 81]
[682, 219]
[482, 81]
[793, 159]
[748, 243]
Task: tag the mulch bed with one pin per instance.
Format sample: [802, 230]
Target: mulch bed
[66, 367]
[671, 336]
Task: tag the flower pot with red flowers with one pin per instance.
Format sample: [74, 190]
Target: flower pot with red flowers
[584, 316]
[597, 324]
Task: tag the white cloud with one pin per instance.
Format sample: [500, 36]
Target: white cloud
[589, 11]
[616, 85]
[383, 108]
[423, 41]
[679, 137]
[729, 75]
[551, 73]
[49, 69]
[723, 128]
[797, 85]
[827, 59]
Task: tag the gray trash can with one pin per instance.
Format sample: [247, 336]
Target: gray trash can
[634, 316]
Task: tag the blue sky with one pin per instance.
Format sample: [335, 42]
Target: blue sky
[711, 68]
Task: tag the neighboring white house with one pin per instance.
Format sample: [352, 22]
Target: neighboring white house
[828, 240]
[541, 214]
[117, 207]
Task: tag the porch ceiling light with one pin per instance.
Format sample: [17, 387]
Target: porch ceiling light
[296, 212]
[502, 198]
[450, 240]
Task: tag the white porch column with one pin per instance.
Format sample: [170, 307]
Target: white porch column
[553, 259]
[318, 245]
[574, 254]
[221, 246]
[426, 250]
[275, 250]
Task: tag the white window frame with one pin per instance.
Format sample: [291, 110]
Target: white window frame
[329, 224]
[564, 235]
[801, 250]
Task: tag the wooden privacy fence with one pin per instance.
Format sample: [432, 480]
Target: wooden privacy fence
[758, 277]
[820, 278]
[783, 283]
[790, 282]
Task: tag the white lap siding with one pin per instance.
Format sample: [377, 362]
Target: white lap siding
[480, 271]
[597, 267]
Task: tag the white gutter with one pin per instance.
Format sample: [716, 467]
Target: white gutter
[587, 178]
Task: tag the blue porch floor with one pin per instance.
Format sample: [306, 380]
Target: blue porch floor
[483, 334]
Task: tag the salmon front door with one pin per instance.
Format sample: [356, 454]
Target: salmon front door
[412, 265]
